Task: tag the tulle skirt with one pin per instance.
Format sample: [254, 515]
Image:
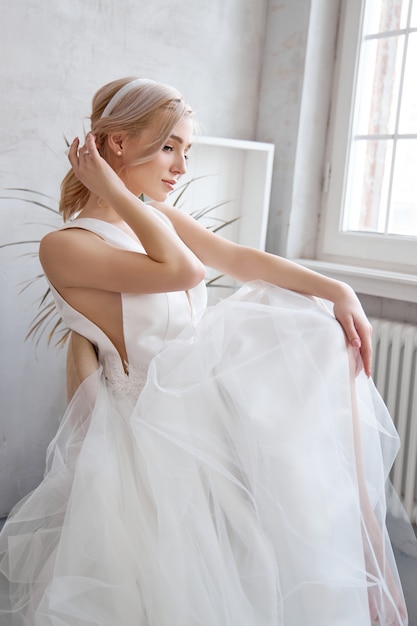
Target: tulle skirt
[244, 487]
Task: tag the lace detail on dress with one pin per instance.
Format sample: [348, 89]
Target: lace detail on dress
[125, 384]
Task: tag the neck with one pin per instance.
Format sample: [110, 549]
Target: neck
[98, 209]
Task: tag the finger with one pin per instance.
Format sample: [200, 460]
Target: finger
[359, 337]
[366, 347]
[366, 353]
[90, 145]
[351, 333]
[73, 152]
[87, 151]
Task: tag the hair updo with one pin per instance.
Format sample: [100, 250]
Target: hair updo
[147, 105]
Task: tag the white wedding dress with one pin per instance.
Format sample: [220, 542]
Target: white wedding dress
[235, 476]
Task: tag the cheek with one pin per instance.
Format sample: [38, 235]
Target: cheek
[138, 173]
[159, 162]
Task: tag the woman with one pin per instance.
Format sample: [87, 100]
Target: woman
[215, 467]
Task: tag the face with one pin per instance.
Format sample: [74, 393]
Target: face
[158, 177]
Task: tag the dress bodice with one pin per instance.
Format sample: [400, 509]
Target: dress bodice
[149, 320]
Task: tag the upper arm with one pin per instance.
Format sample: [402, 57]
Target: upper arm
[79, 258]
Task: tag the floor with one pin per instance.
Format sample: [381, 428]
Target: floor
[406, 556]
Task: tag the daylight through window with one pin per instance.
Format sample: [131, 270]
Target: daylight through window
[380, 194]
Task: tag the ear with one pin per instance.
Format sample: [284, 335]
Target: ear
[117, 142]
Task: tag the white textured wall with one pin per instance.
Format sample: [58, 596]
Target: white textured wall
[55, 54]
[280, 105]
[295, 94]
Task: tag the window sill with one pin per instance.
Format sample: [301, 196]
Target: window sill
[373, 282]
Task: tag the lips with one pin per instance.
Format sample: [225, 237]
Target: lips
[170, 184]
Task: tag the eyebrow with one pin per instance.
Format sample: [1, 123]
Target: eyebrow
[176, 138]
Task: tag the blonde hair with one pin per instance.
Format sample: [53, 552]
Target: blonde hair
[147, 105]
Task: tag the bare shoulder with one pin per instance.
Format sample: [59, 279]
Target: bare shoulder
[58, 241]
[61, 250]
[51, 244]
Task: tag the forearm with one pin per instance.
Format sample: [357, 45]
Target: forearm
[161, 243]
[250, 264]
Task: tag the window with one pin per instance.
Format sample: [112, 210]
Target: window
[371, 167]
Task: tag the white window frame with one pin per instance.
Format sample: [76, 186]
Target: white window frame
[384, 253]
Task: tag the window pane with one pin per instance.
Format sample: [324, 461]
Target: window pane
[403, 214]
[385, 15]
[413, 22]
[378, 86]
[408, 115]
[367, 186]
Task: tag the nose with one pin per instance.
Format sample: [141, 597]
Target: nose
[180, 164]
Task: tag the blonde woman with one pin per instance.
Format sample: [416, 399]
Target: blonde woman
[215, 467]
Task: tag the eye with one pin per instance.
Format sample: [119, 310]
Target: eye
[167, 148]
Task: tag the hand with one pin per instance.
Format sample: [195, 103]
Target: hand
[350, 314]
[92, 170]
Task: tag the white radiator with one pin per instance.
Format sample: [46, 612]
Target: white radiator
[395, 375]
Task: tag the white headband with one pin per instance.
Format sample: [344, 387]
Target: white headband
[122, 92]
